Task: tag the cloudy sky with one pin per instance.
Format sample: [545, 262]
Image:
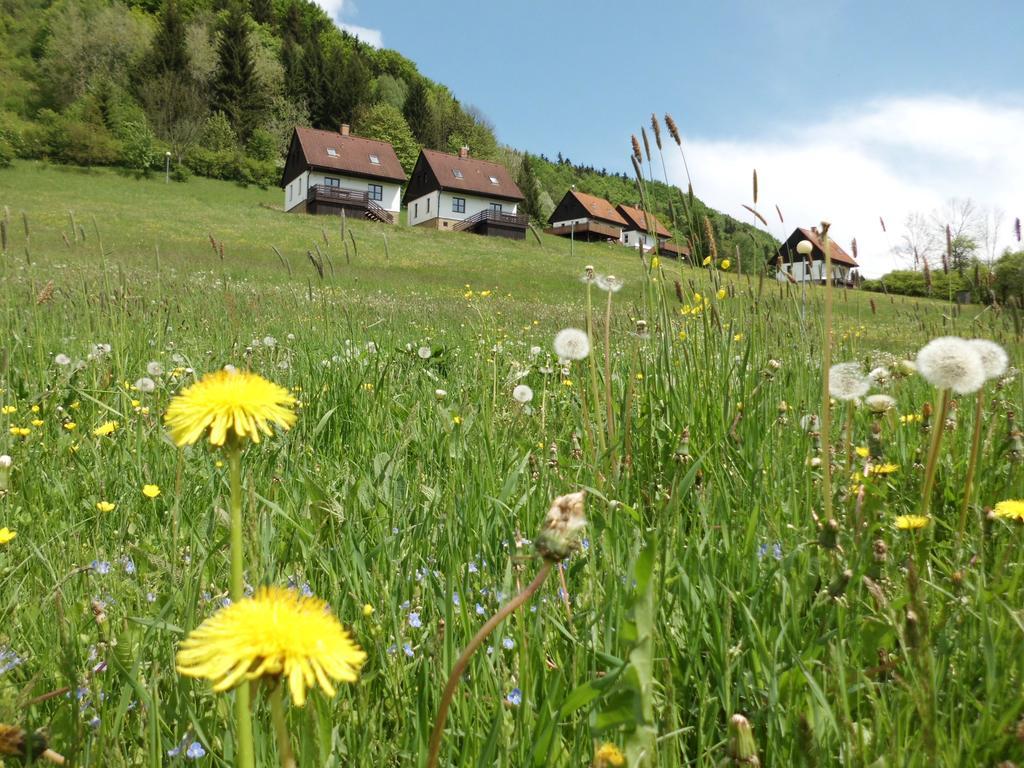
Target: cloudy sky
[850, 110]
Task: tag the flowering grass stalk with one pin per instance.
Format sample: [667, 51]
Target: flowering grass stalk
[972, 464]
[826, 410]
[931, 463]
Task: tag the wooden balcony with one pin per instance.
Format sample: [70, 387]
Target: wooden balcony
[587, 230]
[322, 198]
[673, 250]
[495, 224]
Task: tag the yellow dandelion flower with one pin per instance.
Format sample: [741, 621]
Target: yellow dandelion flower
[278, 633]
[456, 420]
[75, 405]
[567, 383]
[696, 297]
[70, 426]
[722, 293]
[9, 409]
[609, 756]
[707, 260]
[20, 431]
[911, 522]
[7, 535]
[367, 609]
[485, 294]
[34, 409]
[884, 469]
[726, 264]
[1011, 509]
[229, 402]
[105, 506]
[105, 429]
[682, 335]
[150, 491]
[738, 337]
[655, 262]
[639, 377]
[37, 422]
[862, 451]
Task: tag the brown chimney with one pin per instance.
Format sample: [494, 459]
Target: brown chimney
[344, 129]
[464, 152]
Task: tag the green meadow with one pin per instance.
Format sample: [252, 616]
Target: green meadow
[722, 571]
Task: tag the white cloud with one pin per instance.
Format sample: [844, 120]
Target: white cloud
[336, 9]
[885, 158]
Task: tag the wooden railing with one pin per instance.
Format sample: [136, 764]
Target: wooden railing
[586, 227]
[353, 198]
[375, 211]
[492, 217]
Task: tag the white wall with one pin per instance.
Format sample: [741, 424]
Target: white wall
[392, 192]
[634, 238]
[441, 206]
[816, 273]
[569, 222]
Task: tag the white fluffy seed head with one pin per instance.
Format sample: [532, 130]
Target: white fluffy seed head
[145, 385]
[62, 359]
[572, 344]
[950, 362]
[153, 368]
[994, 359]
[879, 376]
[879, 403]
[846, 381]
[609, 283]
[522, 394]
[424, 353]
[6, 461]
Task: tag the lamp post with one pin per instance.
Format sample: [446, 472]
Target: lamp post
[804, 248]
[167, 167]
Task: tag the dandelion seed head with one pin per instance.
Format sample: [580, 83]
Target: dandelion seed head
[846, 381]
[522, 394]
[950, 362]
[145, 385]
[879, 403]
[994, 359]
[609, 283]
[6, 461]
[572, 344]
[62, 359]
[424, 353]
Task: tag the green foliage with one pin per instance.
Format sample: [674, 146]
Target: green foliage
[168, 52]
[217, 134]
[385, 122]
[527, 183]
[390, 90]
[262, 146]
[137, 146]
[7, 153]
[237, 89]
[907, 282]
[417, 113]
[1009, 277]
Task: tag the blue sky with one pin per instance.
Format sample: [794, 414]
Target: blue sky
[746, 79]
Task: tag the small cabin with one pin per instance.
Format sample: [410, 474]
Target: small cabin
[639, 225]
[463, 194]
[336, 172]
[792, 265]
[586, 217]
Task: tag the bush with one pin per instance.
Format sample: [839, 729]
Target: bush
[263, 146]
[1009, 280]
[137, 146]
[231, 166]
[82, 143]
[181, 173]
[6, 152]
[12, 132]
[908, 282]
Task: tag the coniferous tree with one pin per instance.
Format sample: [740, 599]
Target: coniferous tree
[168, 52]
[315, 87]
[527, 183]
[416, 112]
[237, 90]
[262, 11]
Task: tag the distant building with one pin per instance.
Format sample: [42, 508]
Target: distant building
[586, 217]
[637, 232]
[463, 194]
[331, 172]
[811, 268]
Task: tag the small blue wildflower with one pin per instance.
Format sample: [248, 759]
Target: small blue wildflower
[480, 610]
[128, 564]
[195, 751]
[9, 660]
[514, 697]
[414, 620]
[405, 605]
[102, 567]
[455, 599]
[508, 643]
[94, 722]
[473, 568]
[407, 650]
[225, 602]
[392, 649]
[150, 597]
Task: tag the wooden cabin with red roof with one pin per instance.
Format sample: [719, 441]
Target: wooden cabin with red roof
[586, 217]
[463, 194]
[639, 225]
[334, 171]
[792, 265]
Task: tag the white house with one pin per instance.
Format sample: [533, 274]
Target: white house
[461, 193]
[331, 172]
[637, 232]
[790, 264]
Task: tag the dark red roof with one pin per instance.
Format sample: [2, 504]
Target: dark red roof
[787, 251]
[637, 219]
[351, 154]
[598, 207]
[467, 174]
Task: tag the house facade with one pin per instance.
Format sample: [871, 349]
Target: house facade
[586, 217]
[792, 265]
[637, 232]
[334, 171]
[463, 194]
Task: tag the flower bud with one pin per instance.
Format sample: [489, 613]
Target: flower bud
[559, 534]
[742, 749]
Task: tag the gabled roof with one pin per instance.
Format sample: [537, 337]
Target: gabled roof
[637, 219]
[788, 249]
[462, 174]
[349, 154]
[597, 207]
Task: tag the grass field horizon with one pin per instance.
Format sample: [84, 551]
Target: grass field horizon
[744, 561]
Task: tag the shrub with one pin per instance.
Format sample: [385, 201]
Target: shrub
[1009, 281]
[137, 146]
[6, 152]
[181, 173]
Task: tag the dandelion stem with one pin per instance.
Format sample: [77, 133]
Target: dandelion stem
[608, 369]
[938, 424]
[826, 411]
[467, 654]
[242, 716]
[284, 744]
[593, 368]
[971, 464]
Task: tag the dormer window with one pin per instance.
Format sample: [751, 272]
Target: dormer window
[494, 180]
[331, 152]
[456, 173]
[374, 159]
